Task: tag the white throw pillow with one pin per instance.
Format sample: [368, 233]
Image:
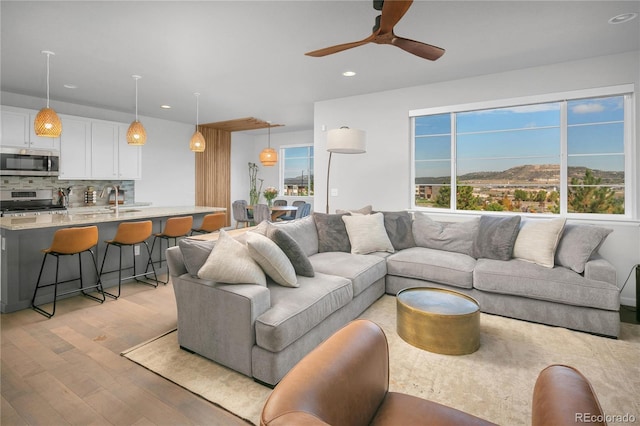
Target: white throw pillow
[537, 241]
[272, 259]
[230, 262]
[367, 233]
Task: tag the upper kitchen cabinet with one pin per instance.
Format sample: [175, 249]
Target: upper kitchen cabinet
[75, 152]
[18, 131]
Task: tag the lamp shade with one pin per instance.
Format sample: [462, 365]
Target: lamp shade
[268, 157]
[47, 123]
[346, 141]
[136, 135]
[197, 143]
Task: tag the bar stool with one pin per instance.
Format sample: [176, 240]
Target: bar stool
[67, 242]
[211, 223]
[130, 234]
[175, 228]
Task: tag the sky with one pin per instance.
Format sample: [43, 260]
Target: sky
[498, 139]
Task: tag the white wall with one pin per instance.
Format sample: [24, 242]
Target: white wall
[381, 176]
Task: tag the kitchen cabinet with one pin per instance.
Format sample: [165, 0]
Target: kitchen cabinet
[17, 130]
[75, 152]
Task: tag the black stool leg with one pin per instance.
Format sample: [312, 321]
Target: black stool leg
[35, 292]
[98, 283]
[146, 272]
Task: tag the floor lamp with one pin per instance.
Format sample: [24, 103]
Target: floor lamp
[344, 141]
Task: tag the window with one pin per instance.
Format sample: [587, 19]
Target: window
[564, 155]
[296, 171]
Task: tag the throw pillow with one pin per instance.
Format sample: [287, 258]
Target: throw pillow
[399, 229]
[230, 262]
[449, 236]
[362, 210]
[272, 260]
[367, 233]
[291, 249]
[303, 231]
[537, 241]
[495, 237]
[332, 234]
[195, 254]
[578, 244]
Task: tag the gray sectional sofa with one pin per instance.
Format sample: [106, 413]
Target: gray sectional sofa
[335, 266]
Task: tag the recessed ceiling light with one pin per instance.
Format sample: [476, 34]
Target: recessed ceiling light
[625, 17]
[165, 106]
[349, 73]
[70, 86]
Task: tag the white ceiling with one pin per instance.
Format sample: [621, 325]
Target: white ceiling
[246, 58]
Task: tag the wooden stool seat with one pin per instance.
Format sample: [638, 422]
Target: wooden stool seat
[67, 242]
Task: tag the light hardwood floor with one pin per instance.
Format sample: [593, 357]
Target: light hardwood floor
[68, 369]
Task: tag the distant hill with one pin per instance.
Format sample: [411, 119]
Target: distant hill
[527, 174]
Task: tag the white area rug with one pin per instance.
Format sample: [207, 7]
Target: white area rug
[495, 383]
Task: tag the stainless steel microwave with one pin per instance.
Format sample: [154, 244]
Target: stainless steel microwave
[29, 162]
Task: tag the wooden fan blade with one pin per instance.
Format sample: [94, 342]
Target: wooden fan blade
[392, 12]
[418, 48]
[340, 47]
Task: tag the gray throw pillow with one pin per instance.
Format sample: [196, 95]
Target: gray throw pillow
[457, 237]
[303, 231]
[399, 229]
[291, 249]
[332, 233]
[496, 237]
[195, 253]
[578, 244]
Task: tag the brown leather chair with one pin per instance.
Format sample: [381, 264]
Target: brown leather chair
[211, 223]
[345, 381]
[174, 227]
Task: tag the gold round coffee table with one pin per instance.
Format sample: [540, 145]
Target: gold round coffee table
[438, 320]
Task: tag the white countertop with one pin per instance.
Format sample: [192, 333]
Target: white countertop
[91, 216]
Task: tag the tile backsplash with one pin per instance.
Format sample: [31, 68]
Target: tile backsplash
[78, 188]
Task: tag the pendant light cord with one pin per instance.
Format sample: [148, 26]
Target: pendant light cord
[48, 54]
[136, 98]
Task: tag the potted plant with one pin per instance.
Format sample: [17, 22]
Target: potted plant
[254, 191]
[270, 193]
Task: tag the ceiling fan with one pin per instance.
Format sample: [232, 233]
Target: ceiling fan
[392, 12]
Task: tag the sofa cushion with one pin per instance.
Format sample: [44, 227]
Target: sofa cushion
[332, 234]
[291, 249]
[362, 270]
[537, 241]
[362, 210]
[303, 231]
[399, 229]
[295, 311]
[495, 237]
[195, 253]
[272, 259]
[230, 262]
[445, 267]
[561, 285]
[578, 244]
[367, 233]
[450, 236]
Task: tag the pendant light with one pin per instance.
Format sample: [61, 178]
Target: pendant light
[197, 143]
[136, 135]
[269, 156]
[47, 123]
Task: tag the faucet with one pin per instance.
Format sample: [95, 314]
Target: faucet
[109, 187]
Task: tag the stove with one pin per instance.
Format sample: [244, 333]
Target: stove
[28, 202]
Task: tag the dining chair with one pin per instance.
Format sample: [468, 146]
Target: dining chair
[261, 212]
[280, 203]
[298, 203]
[239, 208]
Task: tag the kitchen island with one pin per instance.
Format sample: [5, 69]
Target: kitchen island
[23, 238]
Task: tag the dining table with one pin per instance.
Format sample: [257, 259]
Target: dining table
[277, 211]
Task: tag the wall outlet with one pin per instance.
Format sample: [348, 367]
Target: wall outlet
[136, 250]
[334, 192]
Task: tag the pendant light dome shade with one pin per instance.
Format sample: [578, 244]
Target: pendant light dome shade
[136, 135]
[269, 156]
[47, 123]
[197, 143]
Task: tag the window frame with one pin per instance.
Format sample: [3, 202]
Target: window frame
[281, 168]
[627, 91]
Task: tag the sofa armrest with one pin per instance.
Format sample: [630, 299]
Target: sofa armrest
[563, 396]
[217, 320]
[175, 262]
[600, 269]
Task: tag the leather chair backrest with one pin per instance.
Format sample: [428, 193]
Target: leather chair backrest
[213, 222]
[74, 240]
[133, 232]
[341, 382]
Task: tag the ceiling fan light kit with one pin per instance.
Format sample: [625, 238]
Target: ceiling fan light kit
[136, 135]
[392, 12]
[197, 143]
[47, 123]
[269, 156]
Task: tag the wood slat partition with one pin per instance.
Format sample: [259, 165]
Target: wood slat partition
[213, 171]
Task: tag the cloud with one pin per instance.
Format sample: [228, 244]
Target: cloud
[587, 108]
